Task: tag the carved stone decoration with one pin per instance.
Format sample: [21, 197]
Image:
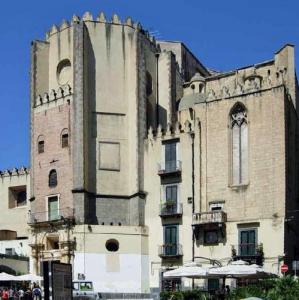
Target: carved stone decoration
[129, 21]
[239, 89]
[211, 95]
[238, 115]
[253, 82]
[225, 92]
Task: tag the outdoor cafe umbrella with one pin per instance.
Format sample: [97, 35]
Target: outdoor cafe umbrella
[191, 270]
[7, 277]
[239, 269]
[29, 277]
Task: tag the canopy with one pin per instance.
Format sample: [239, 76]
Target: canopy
[192, 270]
[6, 277]
[29, 277]
[240, 269]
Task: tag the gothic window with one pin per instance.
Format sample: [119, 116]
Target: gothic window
[52, 178]
[41, 144]
[239, 145]
[64, 138]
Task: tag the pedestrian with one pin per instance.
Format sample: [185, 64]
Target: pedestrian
[28, 294]
[5, 294]
[21, 293]
[227, 292]
[11, 294]
[37, 292]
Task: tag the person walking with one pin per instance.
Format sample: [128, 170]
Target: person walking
[11, 294]
[21, 294]
[5, 294]
[37, 292]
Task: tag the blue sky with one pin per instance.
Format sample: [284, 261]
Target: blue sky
[223, 34]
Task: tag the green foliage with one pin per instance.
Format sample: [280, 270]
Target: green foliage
[184, 295]
[285, 288]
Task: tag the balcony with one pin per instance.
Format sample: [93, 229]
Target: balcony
[250, 252]
[171, 209]
[170, 251]
[210, 217]
[66, 213]
[170, 167]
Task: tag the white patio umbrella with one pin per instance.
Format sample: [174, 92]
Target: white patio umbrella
[7, 277]
[239, 269]
[29, 277]
[191, 270]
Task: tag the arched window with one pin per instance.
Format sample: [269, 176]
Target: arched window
[64, 138]
[41, 144]
[239, 145]
[52, 178]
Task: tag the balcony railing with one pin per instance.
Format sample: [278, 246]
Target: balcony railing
[170, 208]
[50, 216]
[250, 252]
[171, 250]
[172, 166]
[216, 216]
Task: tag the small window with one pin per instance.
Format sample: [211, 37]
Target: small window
[112, 245]
[53, 209]
[17, 196]
[211, 237]
[21, 198]
[10, 251]
[149, 84]
[64, 138]
[41, 144]
[53, 243]
[52, 178]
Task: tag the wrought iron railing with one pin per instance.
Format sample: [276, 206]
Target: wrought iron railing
[170, 250]
[48, 216]
[171, 208]
[169, 167]
[251, 252]
[216, 216]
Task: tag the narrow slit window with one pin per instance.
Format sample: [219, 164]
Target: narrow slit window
[239, 141]
[64, 138]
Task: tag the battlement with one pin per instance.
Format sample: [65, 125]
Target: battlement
[172, 129]
[101, 18]
[53, 95]
[14, 172]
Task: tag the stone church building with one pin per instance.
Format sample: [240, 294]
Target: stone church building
[144, 159]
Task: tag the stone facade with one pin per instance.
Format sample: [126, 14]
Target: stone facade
[143, 159]
[14, 233]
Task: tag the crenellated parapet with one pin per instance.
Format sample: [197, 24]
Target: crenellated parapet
[172, 130]
[14, 172]
[101, 18]
[244, 82]
[53, 95]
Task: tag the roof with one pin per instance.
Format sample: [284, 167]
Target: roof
[189, 100]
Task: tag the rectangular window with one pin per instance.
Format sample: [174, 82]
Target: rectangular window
[65, 140]
[171, 239]
[170, 156]
[10, 251]
[247, 242]
[211, 237]
[17, 196]
[41, 147]
[53, 208]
